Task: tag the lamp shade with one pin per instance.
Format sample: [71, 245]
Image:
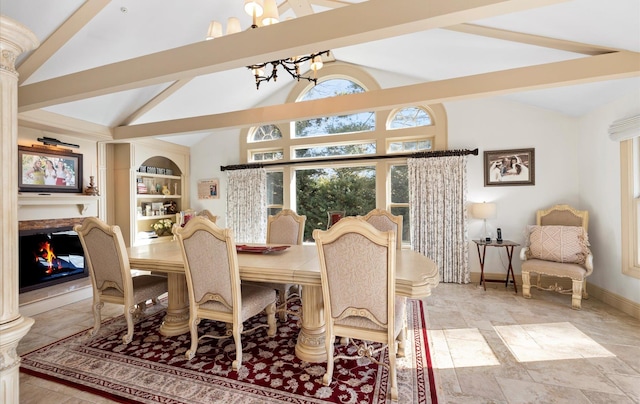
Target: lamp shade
[215, 30]
[270, 15]
[233, 25]
[483, 210]
[253, 7]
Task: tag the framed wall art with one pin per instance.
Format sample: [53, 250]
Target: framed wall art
[509, 167]
[209, 189]
[44, 169]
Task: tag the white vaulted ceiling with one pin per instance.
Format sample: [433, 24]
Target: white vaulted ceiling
[92, 67]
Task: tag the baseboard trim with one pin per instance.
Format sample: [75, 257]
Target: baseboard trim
[623, 304]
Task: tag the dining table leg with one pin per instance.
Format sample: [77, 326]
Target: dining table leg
[310, 346]
[176, 321]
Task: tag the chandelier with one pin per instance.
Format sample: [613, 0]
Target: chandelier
[267, 10]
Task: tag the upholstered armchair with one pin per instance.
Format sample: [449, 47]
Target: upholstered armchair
[286, 227]
[213, 282]
[558, 246]
[106, 257]
[357, 270]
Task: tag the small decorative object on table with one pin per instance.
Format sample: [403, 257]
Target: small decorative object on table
[163, 227]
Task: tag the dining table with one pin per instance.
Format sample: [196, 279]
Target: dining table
[416, 276]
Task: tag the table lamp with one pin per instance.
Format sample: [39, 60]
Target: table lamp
[484, 211]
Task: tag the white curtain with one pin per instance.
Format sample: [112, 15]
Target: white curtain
[247, 205]
[437, 195]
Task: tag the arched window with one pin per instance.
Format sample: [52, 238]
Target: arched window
[410, 117]
[265, 132]
[319, 185]
[360, 122]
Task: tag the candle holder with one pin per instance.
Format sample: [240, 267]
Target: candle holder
[91, 189]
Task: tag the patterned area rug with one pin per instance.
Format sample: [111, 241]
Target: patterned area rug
[153, 369]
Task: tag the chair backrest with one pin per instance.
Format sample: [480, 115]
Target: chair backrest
[207, 213]
[106, 256]
[211, 265]
[357, 266]
[383, 220]
[562, 215]
[286, 227]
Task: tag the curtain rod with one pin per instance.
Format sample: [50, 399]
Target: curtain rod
[425, 154]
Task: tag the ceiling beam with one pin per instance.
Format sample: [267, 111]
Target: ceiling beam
[300, 7]
[332, 29]
[576, 71]
[60, 36]
[531, 39]
[166, 93]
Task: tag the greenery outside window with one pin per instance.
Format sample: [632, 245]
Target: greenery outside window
[399, 186]
[352, 149]
[360, 122]
[319, 190]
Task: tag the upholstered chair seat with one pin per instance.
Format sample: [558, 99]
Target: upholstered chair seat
[213, 282]
[108, 263]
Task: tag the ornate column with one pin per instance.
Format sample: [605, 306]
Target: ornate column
[14, 40]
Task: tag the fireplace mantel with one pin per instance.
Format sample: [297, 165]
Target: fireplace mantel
[82, 201]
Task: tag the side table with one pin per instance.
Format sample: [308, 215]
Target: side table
[508, 245]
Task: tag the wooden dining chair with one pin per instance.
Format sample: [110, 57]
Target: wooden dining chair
[357, 270]
[285, 227]
[106, 257]
[207, 213]
[213, 282]
[383, 220]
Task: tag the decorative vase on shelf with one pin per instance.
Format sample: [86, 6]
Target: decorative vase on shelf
[165, 190]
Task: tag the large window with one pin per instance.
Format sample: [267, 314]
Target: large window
[312, 188]
[630, 187]
[319, 190]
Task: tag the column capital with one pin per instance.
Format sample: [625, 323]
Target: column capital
[15, 39]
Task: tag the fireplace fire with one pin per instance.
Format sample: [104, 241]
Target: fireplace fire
[48, 257]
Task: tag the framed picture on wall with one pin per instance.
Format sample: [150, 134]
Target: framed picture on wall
[209, 189]
[43, 169]
[509, 167]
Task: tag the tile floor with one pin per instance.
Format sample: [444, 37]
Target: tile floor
[487, 347]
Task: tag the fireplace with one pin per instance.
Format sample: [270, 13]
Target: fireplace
[50, 253]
